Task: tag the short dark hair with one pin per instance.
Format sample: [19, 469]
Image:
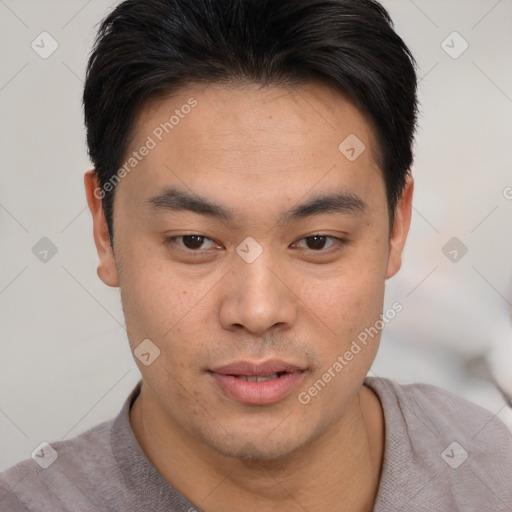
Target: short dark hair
[147, 48]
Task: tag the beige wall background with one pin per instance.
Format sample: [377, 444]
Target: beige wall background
[65, 363]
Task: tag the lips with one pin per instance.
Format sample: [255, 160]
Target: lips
[258, 378]
[260, 369]
[258, 383]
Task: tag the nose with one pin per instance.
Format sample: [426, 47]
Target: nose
[256, 297]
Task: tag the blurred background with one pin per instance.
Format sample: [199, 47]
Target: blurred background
[65, 361]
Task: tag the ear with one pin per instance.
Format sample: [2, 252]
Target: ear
[400, 229]
[107, 271]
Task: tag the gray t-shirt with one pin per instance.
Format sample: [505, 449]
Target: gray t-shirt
[441, 453]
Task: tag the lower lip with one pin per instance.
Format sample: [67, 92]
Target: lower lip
[258, 393]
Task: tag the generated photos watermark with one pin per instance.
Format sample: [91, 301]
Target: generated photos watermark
[355, 348]
[152, 141]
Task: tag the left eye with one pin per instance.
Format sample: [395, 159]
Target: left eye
[319, 242]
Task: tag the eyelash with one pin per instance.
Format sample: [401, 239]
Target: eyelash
[336, 241]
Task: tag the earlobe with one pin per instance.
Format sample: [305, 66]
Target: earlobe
[107, 271]
[400, 229]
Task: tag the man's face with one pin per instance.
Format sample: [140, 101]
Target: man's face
[287, 263]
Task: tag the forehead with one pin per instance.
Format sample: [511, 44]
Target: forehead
[250, 140]
[248, 107]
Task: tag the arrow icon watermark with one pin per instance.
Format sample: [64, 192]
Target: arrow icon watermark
[146, 352]
[454, 249]
[249, 250]
[44, 455]
[351, 147]
[454, 455]
[44, 250]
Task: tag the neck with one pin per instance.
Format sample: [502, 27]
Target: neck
[338, 471]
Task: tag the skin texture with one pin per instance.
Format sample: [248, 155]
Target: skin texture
[258, 151]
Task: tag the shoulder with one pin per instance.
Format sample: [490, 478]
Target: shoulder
[61, 471]
[442, 452]
[440, 411]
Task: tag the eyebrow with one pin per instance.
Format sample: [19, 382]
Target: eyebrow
[174, 199]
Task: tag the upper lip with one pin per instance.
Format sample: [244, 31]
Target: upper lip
[262, 368]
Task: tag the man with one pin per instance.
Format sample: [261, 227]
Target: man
[250, 196]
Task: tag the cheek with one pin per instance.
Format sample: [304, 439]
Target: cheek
[169, 312]
[349, 305]
[349, 295]
[346, 311]
[157, 300]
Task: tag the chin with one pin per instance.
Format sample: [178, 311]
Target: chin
[253, 456]
[260, 449]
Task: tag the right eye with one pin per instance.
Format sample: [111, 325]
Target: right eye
[193, 243]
